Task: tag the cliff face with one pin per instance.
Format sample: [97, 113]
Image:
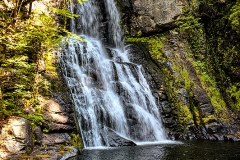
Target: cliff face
[185, 64]
[148, 16]
[190, 54]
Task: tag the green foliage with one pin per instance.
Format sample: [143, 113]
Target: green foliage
[205, 55]
[26, 37]
[64, 12]
[35, 118]
[187, 80]
[190, 27]
[22, 74]
[81, 1]
[234, 17]
[77, 141]
[222, 58]
[234, 93]
[45, 130]
[210, 86]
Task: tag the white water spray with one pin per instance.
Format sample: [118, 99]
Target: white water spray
[108, 90]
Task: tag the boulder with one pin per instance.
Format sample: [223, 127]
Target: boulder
[16, 136]
[56, 152]
[113, 139]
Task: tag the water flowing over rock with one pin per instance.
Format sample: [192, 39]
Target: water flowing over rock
[108, 90]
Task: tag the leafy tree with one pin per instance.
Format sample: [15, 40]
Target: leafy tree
[25, 37]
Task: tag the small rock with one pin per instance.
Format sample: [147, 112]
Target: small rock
[52, 106]
[58, 118]
[219, 137]
[29, 110]
[212, 128]
[231, 138]
[41, 65]
[212, 138]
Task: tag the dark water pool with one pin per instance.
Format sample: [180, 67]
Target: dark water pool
[194, 150]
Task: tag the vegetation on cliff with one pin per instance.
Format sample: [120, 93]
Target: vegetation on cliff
[200, 56]
[215, 26]
[30, 34]
[25, 37]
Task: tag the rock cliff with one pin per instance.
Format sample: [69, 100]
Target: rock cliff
[149, 16]
[190, 54]
[169, 39]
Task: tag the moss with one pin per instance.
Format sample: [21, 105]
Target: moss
[209, 119]
[222, 55]
[234, 93]
[45, 130]
[212, 34]
[77, 141]
[210, 86]
[34, 118]
[154, 43]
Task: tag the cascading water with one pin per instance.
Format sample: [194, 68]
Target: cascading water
[108, 90]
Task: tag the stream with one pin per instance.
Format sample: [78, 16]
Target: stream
[186, 150]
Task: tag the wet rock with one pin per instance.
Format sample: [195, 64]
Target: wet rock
[231, 138]
[212, 138]
[203, 100]
[166, 107]
[168, 122]
[38, 134]
[16, 136]
[56, 138]
[217, 128]
[212, 128]
[115, 140]
[219, 137]
[203, 130]
[60, 127]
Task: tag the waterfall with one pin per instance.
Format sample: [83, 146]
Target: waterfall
[108, 90]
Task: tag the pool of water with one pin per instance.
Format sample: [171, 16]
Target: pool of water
[194, 150]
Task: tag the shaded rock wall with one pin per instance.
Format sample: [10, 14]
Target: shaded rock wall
[189, 109]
